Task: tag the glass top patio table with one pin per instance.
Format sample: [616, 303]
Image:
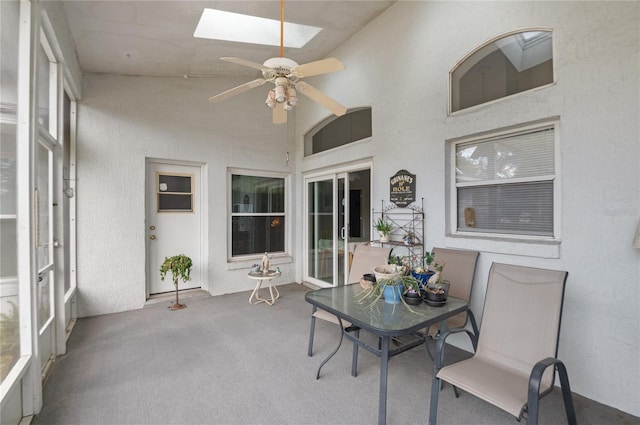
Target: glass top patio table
[381, 319]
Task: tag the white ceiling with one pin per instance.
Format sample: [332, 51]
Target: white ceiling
[156, 37]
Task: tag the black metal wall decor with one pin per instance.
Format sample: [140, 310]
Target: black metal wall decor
[402, 188]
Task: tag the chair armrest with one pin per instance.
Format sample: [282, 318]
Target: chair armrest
[535, 379]
[474, 324]
[440, 345]
[534, 396]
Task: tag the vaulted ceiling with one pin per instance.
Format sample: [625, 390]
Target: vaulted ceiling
[156, 37]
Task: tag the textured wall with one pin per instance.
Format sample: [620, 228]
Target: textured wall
[399, 65]
[122, 121]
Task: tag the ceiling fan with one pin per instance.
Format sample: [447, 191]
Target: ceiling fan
[286, 75]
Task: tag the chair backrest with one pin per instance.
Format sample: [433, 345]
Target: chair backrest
[459, 270]
[365, 258]
[521, 317]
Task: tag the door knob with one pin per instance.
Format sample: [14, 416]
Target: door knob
[152, 237]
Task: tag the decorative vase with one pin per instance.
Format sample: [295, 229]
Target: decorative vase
[422, 277]
[392, 294]
[384, 237]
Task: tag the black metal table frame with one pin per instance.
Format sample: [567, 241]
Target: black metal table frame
[384, 352]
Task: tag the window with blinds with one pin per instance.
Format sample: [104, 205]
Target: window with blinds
[504, 184]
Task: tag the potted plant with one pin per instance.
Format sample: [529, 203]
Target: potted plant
[384, 229]
[180, 268]
[392, 284]
[437, 288]
[422, 273]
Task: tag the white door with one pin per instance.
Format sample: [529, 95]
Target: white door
[174, 222]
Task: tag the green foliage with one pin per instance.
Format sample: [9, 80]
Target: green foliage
[179, 266]
[371, 295]
[383, 226]
[9, 340]
[9, 331]
[428, 258]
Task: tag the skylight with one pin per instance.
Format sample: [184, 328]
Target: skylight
[228, 26]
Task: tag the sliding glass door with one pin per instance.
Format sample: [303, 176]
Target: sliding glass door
[338, 217]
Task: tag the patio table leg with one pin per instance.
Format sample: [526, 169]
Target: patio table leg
[334, 351]
[354, 360]
[384, 369]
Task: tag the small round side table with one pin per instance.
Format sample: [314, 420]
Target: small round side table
[259, 277]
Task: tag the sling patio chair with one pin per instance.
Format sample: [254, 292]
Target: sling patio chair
[365, 258]
[459, 270]
[515, 356]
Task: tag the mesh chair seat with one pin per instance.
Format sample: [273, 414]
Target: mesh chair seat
[492, 382]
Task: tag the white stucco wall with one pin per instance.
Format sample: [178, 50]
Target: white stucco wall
[122, 121]
[399, 66]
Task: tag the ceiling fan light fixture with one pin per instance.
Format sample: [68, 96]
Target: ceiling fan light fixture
[280, 94]
[292, 97]
[271, 99]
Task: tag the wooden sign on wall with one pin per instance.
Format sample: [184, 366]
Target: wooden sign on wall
[402, 188]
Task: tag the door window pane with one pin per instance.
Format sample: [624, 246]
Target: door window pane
[43, 88]
[174, 193]
[320, 232]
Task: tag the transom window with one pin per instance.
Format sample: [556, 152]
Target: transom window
[338, 131]
[258, 213]
[505, 66]
[506, 183]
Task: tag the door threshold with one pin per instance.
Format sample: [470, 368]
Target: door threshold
[169, 297]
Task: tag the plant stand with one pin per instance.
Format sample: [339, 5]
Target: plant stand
[259, 277]
[404, 221]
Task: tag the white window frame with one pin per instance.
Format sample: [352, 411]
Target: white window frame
[243, 260]
[546, 246]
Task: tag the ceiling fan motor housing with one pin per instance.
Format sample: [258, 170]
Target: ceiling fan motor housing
[279, 67]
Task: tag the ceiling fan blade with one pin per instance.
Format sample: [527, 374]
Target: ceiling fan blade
[279, 114]
[321, 98]
[246, 62]
[237, 90]
[319, 67]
